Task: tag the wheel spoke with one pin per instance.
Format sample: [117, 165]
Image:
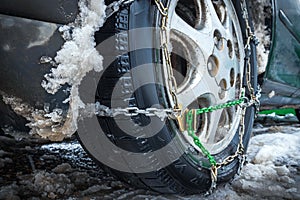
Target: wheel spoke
[207, 85]
[230, 29]
[213, 16]
[213, 127]
[220, 18]
[225, 68]
[191, 35]
[198, 23]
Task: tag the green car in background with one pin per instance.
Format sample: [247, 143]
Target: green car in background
[281, 85]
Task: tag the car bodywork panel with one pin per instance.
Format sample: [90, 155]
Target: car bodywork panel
[44, 57]
[54, 11]
[283, 69]
[28, 31]
[23, 43]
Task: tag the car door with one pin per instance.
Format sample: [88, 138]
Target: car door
[282, 77]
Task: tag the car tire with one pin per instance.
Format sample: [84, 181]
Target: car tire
[120, 87]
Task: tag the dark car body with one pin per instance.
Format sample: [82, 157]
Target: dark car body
[29, 30]
[283, 70]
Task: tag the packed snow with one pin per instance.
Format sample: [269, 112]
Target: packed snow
[77, 57]
[273, 168]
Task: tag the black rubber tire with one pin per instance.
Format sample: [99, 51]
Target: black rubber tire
[184, 176]
[298, 113]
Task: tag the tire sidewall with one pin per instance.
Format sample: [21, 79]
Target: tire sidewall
[192, 178]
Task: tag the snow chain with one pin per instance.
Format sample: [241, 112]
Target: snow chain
[188, 117]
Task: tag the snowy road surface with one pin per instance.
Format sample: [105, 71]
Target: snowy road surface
[30, 169]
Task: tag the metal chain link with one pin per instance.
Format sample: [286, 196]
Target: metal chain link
[190, 121]
[162, 113]
[104, 111]
[165, 50]
[254, 100]
[243, 102]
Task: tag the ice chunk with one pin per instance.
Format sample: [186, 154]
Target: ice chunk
[76, 58]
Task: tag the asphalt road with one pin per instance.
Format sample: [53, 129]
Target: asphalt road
[32, 168]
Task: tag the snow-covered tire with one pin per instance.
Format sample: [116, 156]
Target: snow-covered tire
[190, 172]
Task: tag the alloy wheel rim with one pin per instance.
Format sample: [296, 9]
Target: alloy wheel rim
[207, 52]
